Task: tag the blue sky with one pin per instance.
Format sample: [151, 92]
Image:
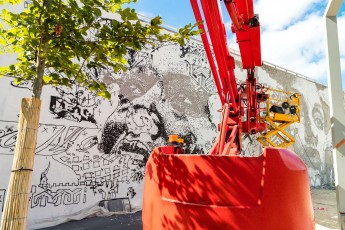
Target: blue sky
[175, 13]
[292, 34]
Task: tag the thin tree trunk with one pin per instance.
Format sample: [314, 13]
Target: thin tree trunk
[38, 83]
[15, 211]
[14, 216]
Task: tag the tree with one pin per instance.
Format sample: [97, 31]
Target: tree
[56, 42]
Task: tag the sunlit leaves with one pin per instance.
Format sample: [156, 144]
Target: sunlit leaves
[87, 40]
[156, 21]
[10, 1]
[128, 14]
[47, 79]
[18, 80]
[4, 70]
[104, 94]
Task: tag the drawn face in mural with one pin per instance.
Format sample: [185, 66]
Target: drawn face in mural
[186, 111]
[312, 135]
[316, 144]
[133, 128]
[163, 107]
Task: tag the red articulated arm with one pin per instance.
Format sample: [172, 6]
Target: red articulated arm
[246, 26]
[225, 76]
[238, 102]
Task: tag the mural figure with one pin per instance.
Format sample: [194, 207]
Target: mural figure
[75, 106]
[132, 128]
[44, 179]
[8, 136]
[171, 104]
[314, 136]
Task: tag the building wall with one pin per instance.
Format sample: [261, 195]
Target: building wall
[90, 149]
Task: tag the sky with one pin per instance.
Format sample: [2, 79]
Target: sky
[292, 32]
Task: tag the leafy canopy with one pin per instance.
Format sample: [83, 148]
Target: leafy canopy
[67, 37]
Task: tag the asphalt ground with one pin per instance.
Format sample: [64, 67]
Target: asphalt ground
[131, 221]
[324, 204]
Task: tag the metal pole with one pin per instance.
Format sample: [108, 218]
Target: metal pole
[336, 105]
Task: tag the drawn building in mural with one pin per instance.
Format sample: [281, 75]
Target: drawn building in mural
[91, 151]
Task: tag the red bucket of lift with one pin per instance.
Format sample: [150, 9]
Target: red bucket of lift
[267, 192]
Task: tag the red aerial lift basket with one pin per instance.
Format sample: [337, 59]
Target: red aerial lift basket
[268, 192]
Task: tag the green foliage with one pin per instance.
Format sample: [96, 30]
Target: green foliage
[87, 40]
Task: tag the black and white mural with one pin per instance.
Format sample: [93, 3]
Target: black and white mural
[313, 135]
[90, 149]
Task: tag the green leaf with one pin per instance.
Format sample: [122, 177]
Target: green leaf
[55, 76]
[12, 67]
[65, 81]
[104, 94]
[5, 15]
[4, 70]
[11, 1]
[47, 79]
[97, 12]
[156, 21]
[18, 80]
[114, 8]
[102, 86]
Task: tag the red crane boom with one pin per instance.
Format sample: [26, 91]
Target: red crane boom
[224, 190]
[237, 104]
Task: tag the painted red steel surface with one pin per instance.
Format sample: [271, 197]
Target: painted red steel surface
[226, 192]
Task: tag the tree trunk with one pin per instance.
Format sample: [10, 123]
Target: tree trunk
[38, 82]
[15, 211]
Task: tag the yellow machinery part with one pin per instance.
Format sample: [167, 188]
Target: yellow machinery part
[286, 112]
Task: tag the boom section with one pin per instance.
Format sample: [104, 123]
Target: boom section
[241, 100]
[215, 42]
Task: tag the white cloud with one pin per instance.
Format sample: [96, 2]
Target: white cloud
[296, 45]
[277, 14]
[300, 47]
